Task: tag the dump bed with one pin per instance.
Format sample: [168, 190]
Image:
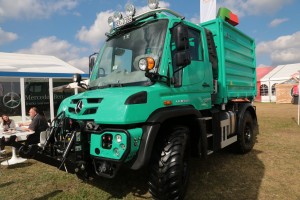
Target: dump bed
[236, 61]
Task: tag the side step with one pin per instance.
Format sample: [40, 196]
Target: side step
[207, 137]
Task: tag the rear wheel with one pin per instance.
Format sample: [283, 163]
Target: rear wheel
[169, 170]
[246, 134]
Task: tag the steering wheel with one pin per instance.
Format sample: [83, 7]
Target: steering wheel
[11, 100]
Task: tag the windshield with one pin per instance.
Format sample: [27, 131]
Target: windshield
[118, 63]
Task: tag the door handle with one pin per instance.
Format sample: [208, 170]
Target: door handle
[205, 84]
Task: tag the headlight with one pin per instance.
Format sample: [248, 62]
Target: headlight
[146, 64]
[116, 152]
[118, 138]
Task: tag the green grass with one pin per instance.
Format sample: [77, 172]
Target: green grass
[270, 171]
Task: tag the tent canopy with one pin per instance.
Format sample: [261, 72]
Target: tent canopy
[282, 72]
[262, 71]
[26, 65]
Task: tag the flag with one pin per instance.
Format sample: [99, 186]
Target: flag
[207, 10]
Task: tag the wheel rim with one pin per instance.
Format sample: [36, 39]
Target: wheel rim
[248, 134]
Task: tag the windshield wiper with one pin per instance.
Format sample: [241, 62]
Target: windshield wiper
[139, 83]
[107, 86]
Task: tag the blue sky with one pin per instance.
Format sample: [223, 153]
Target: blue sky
[73, 29]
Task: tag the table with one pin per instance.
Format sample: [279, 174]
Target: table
[21, 136]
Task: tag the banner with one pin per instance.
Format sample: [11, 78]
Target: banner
[207, 10]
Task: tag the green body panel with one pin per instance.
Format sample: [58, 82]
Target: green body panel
[113, 110]
[117, 149]
[237, 61]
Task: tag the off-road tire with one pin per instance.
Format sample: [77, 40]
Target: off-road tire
[169, 169]
[246, 135]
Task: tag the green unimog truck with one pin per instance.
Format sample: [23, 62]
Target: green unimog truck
[162, 89]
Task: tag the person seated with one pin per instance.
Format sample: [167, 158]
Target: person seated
[7, 123]
[37, 125]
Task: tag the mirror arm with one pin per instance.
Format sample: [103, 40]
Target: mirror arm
[157, 77]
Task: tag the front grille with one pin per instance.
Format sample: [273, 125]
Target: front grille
[90, 111]
[94, 100]
[89, 105]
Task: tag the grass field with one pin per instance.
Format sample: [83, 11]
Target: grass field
[270, 171]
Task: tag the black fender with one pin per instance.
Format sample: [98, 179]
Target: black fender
[152, 127]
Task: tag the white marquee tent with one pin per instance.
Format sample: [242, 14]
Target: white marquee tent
[35, 65]
[24, 68]
[279, 74]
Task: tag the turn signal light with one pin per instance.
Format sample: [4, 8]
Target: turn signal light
[167, 102]
[146, 64]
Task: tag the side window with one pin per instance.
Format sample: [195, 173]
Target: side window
[264, 90]
[196, 52]
[196, 48]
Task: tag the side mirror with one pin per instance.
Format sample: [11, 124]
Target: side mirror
[77, 78]
[180, 35]
[182, 58]
[91, 64]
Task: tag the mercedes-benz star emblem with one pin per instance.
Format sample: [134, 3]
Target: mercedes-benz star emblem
[78, 106]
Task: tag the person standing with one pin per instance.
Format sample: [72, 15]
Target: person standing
[37, 125]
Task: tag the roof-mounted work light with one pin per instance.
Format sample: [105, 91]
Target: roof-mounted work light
[129, 9]
[117, 16]
[153, 4]
[110, 22]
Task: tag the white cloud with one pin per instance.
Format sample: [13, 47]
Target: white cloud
[19, 9]
[254, 7]
[195, 20]
[53, 46]
[277, 22]
[60, 49]
[95, 34]
[6, 37]
[285, 49]
[262, 65]
[286, 56]
[80, 63]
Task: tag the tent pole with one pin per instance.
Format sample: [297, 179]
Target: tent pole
[299, 98]
[51, 98]
[23, 103]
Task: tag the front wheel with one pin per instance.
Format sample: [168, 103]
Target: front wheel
[169, 170]
[246, 134]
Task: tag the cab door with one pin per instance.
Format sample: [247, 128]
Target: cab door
[195, 78]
